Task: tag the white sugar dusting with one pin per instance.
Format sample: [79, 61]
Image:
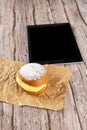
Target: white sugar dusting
[32, 71]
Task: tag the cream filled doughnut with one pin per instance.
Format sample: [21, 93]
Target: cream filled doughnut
[33, 78]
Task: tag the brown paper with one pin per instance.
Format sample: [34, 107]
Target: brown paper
[52, 98]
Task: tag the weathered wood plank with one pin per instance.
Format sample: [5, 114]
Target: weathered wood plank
[6, 28]
[70, 112]
[82, 8]
[80, 34]
[57, 11]
[71, 12]
[7, 119]
[18, 118]
[42, 12]
[7, 51]
[20, 31]
[34, 118]
[79, 90]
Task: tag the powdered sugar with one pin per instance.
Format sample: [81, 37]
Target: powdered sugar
[32, 71]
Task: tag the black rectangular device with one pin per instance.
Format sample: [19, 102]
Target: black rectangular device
[52, 43]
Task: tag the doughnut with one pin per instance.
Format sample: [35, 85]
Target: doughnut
[33, 78]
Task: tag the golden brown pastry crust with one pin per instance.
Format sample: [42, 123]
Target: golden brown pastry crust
[35, 83]
[34, 93]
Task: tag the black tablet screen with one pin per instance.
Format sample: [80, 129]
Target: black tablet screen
[53, 43]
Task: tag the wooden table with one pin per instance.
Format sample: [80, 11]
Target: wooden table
[15, 15]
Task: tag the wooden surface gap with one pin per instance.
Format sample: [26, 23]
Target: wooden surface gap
[50, 17]
[48, 115]
[12, 118]
[66, 14]
[34, 15]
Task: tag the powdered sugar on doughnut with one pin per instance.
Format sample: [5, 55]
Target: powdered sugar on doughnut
[32, 71]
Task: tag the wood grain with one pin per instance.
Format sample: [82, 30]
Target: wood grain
[15, 15]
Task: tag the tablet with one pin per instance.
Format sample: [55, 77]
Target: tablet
[52, 43]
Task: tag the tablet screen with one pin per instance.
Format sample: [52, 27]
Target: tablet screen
[54, 43]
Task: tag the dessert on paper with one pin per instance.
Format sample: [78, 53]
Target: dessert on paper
[51, 98]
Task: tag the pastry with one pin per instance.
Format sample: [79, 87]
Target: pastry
[33, 78]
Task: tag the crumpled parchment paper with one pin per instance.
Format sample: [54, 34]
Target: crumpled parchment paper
[52, 98]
